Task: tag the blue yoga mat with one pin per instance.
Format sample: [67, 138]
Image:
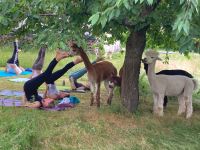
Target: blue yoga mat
[19, 79]
[6, 74]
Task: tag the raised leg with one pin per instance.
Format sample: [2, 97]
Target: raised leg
[39, 62]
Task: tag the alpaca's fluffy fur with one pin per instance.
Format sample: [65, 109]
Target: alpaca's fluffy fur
[169, 72]
[169, 85]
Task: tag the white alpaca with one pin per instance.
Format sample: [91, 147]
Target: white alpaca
[111, 48]
[169, 85]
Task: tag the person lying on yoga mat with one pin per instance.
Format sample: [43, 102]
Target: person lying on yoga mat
[39, 62]
[74, 76]
[12, 65]
[31, 86]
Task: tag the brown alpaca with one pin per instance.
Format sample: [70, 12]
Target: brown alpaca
[101, 71]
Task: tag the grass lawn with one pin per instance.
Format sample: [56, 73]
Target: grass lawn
[107, 128]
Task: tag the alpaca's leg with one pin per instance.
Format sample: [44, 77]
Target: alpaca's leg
[97, 94]
[91, 99]
[165, 101]
[182, 105]
[155, 103]
[189, 108]
[109, 101]
[160, 104]
[188, 98]
[110, 92]
[92, 89]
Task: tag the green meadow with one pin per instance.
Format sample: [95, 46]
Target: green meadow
[107, 128]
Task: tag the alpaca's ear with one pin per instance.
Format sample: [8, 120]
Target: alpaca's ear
[143, 60]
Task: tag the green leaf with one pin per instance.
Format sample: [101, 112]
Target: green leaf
[181, 2]
[180, 26]
[141, 1]
[175, 26]
[94, 18]
[108, 1]
[119, 2]
[103, 21]
[1, 18]
[111, 15]
[3, 21]
[186, 26]
[117, 13]
[150, 2]
[126, 4]
[136, 1]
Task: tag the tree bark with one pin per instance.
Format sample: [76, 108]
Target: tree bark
[134, 49]
[130, 78]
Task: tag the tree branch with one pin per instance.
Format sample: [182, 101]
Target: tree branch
[48, 14]
[126, 22]
[145, 12]
[148, 9]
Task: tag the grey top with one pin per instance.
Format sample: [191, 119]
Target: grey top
[52, 90]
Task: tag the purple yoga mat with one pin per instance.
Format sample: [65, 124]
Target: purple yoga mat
[10, 102]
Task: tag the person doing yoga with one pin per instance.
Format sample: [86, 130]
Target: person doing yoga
[12, 65]
[31, 86]
[39, 62]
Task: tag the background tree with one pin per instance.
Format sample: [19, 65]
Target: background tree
[165, 23]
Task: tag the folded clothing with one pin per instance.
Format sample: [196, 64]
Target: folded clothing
[71, 99]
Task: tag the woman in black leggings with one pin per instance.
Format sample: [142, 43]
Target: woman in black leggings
[31, 86]
[12, 65]
[39, 62]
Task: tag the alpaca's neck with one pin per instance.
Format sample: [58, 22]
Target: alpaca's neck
[86, 60]
[151, 71]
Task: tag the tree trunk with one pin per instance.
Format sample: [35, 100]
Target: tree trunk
[134, 48]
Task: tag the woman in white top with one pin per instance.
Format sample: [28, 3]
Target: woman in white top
[13, 63]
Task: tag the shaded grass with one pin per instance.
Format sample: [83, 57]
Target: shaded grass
[110, 127]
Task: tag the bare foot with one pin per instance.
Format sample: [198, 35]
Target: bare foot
[60, 55]
[35, 104]
[78, 60]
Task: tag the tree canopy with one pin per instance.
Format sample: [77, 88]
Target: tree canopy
[174, 24]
